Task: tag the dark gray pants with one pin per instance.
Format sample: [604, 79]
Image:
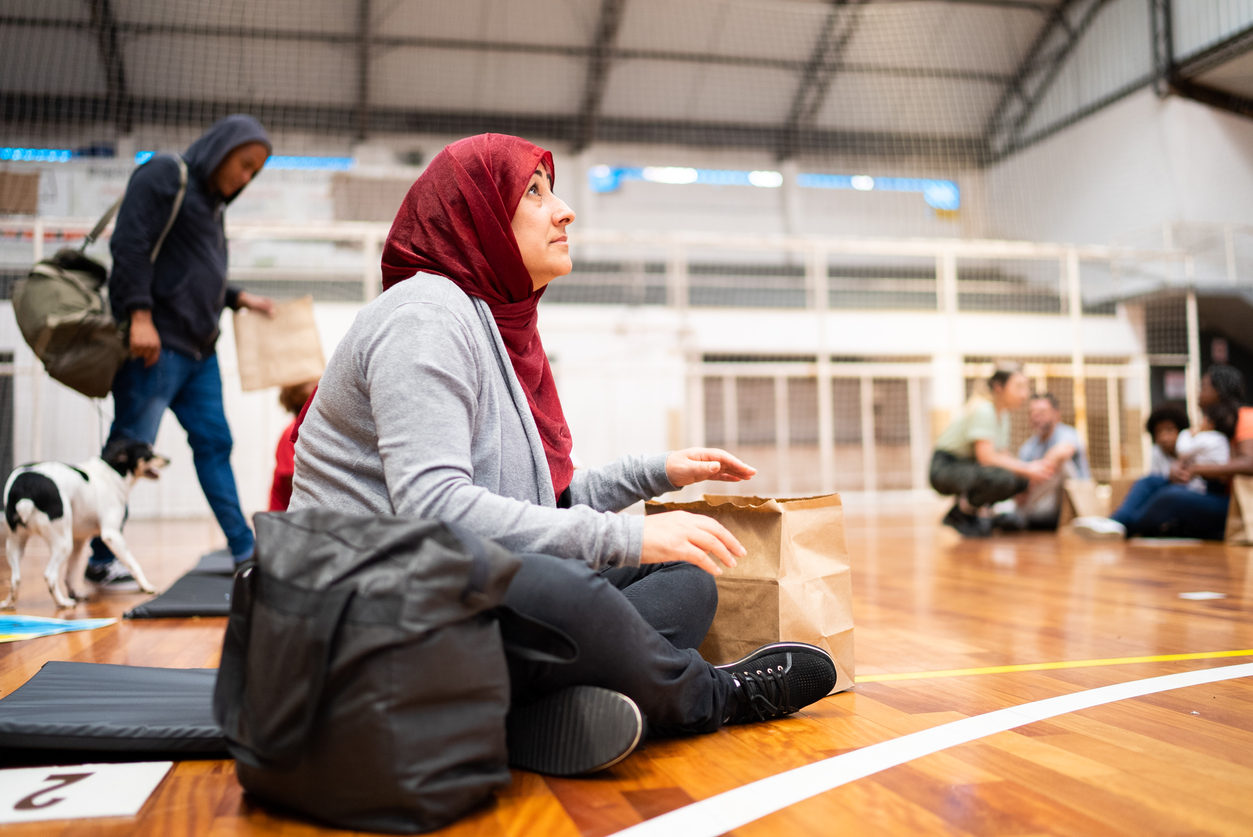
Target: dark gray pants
[636, 630]
[979, 484]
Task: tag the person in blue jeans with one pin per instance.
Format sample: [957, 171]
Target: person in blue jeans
[171, 307]
[1165, 506]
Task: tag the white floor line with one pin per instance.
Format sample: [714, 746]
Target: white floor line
[731, 809]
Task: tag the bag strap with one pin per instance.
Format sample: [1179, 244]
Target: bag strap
[178, 204]
[231, 681]
[101, 224]
[112, 210]
[325, 626]
[228, 689]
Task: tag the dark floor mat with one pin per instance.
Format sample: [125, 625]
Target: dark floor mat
[112, 712]
[204, 591]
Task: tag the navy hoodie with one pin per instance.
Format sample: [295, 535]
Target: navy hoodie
[186, 289]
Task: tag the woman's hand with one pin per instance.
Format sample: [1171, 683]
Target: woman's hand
[683, 536]
[1038, 470]
[1181, 471]
[692, 465]
[145, 343]
[260, 304]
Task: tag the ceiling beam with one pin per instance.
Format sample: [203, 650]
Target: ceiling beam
[363, 70]
[1213, 96]
[1161, 28]
[104, 26]
[1035, 74]
[1233, 46]
[597, 73]
[43, 110]
[825, 60]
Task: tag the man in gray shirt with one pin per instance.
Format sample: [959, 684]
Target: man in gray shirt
[1059, 446]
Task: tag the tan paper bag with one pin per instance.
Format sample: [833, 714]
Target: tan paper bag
[794, 583]
[1079, 499]
[285, 349]
[1118, 490]
[1240, 512]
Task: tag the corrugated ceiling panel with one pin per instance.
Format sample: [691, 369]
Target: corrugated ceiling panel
[728, 28]
[48, 9]
[184, 67]
[1201, 25]
[1112, 54]
[457, 80]
[567, 22]
[943, 37]
[37, 60]
[861, 102]
[696, 92]
[321, 16]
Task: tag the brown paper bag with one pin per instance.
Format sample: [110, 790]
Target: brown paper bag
[793, 584]
[1079, 499]
[1118, 489]
[1240, 512]
[285, 349]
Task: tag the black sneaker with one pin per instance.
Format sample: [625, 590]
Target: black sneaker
[1010, 522]
[968, 525]
[111, 576]
[574, 731]
[777, 680]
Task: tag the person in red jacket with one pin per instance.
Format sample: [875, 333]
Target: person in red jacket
[293, 398]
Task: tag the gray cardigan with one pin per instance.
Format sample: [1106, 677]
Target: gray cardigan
[419, 413]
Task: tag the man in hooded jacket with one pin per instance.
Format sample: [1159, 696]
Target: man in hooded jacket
[171, 309]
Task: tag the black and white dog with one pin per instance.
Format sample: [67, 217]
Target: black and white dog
[67, 506]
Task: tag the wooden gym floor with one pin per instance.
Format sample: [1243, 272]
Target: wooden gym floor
[976, 626]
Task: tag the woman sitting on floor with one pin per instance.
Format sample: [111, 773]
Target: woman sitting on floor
[440, 403]
[971, 459]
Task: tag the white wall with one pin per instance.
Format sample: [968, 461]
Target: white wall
[1133, 167]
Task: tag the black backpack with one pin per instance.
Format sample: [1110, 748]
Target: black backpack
[64, 315]
[363, 680]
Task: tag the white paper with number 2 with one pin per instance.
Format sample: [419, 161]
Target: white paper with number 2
[75, 791]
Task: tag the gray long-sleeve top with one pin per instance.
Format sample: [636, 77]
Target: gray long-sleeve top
[419, 413]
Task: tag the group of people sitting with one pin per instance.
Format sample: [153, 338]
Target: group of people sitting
[1184, 495]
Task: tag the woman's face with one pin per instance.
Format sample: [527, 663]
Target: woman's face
[1165, 434]
[539, 226]
[239, 168]
[1015, 392]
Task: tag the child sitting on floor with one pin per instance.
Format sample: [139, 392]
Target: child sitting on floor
[1210, 444]
[1165, 424]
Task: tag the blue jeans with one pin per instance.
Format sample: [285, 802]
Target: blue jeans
[1157, 507]
[192, 389]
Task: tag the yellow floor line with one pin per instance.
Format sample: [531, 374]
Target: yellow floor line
[1112, 661]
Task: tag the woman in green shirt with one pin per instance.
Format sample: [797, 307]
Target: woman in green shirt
[971, 459]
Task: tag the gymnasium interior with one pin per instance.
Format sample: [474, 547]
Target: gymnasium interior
[806, 231]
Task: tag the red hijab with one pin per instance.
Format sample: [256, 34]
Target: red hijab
[456, 221]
